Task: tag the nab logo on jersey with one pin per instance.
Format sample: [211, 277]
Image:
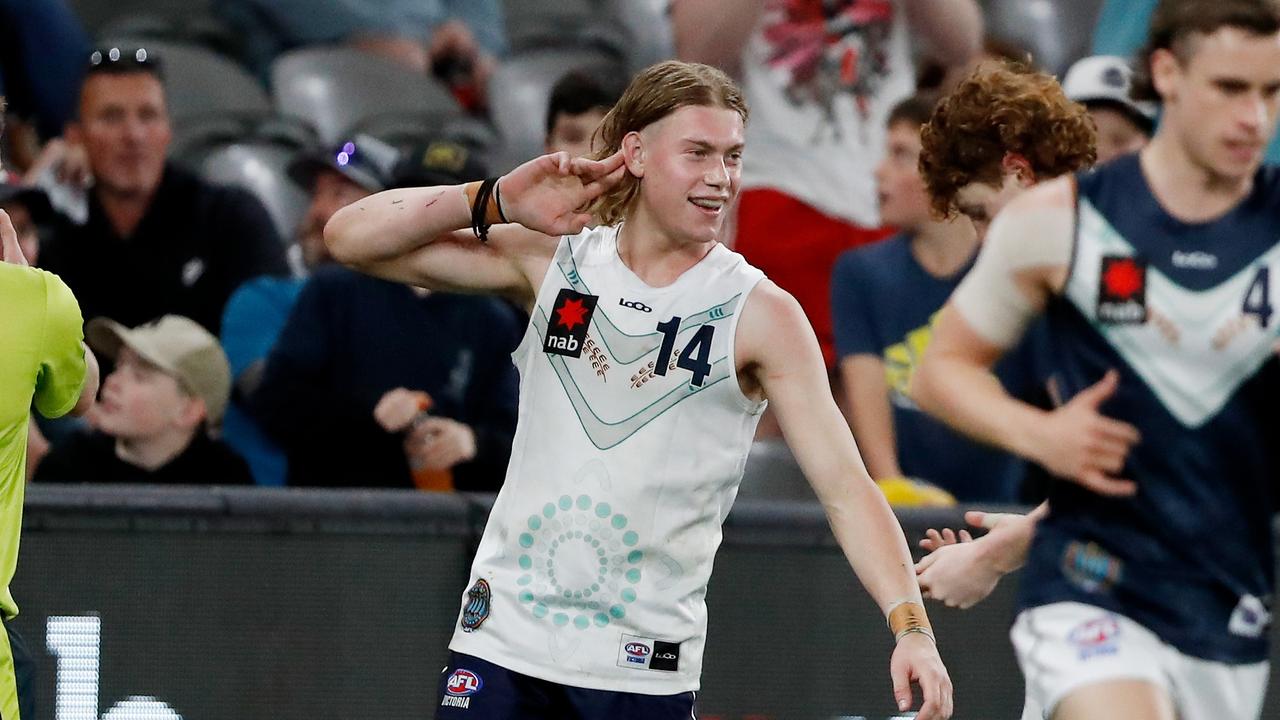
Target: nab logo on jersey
[1122, 290]
[570, 318]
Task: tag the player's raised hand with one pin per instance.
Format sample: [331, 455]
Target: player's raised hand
[550, 194]
[916, 659]
[10, 250]
[1079, 443]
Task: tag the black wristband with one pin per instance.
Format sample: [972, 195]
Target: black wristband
[480, 207]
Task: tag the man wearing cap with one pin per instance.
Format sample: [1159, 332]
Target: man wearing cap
[344, 385]
[257, 311]
[44, 363]
[1101, 83]
[153, 239]
[169, 388]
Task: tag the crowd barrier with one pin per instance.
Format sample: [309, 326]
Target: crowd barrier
[145, 603]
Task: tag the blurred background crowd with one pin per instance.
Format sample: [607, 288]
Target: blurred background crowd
[175, 161]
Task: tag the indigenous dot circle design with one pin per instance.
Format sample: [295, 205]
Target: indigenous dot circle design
[579, 563]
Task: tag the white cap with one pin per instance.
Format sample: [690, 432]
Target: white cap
[1106, 79]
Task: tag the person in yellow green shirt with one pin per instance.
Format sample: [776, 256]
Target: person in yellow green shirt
[46, 364]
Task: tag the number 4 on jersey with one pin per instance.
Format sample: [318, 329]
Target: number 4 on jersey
[1257, 299]
[694, 356]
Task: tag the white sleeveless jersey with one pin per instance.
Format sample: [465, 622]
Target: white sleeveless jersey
[631, 442]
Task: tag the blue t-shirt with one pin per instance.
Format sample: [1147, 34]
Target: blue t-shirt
[883, 303]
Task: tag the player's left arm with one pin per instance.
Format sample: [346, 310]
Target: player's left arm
[779, 355]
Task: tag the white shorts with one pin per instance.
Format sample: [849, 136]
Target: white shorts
[1065, 646]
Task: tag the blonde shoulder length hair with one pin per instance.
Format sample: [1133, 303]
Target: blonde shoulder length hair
[655, 93]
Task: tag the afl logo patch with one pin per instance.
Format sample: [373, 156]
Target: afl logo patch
[570, 318]
[463, 683]
[476, 611]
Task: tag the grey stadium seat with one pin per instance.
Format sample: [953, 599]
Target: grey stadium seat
[337, 88]
[260, 168]
[648, 26]
[1058, 32]
[199, 82]
[520, 88]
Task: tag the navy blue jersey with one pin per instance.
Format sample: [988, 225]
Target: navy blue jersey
[883, 303]
[1185, 313]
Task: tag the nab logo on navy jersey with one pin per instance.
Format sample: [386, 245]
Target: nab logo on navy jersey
[1122, 290]
[570, 318]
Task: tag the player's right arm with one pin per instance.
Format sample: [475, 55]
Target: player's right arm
[416, 235]
[1024, 261]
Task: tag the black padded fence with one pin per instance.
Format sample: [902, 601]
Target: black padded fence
[144, 603]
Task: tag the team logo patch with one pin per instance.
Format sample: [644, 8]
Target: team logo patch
[1091, 568]
[1251, 618]
[459, 688]
[476, 611]
[1122, 290]
[570, 318]
[1096, 637]
[639, 653]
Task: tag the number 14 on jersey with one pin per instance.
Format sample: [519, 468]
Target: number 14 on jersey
[694, 357]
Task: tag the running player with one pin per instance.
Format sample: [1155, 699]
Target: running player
[44, 360]
[648, 358]
[1146, 590]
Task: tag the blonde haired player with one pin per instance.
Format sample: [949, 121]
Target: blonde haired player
[649, 356]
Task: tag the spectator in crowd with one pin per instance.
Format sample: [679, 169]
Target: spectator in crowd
[157, 239]
[883, 300]
[821, 77]
[158, 407]
[44, 364]
[28, 208]
[346, 385]
[458, 40]
[578, 103]
[257, 311]
[1101, 83]
[42, 50]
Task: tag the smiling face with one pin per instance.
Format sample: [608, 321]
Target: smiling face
[690, 166]
[1220, 96]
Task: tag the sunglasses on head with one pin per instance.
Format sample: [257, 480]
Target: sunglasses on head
[117, 59]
